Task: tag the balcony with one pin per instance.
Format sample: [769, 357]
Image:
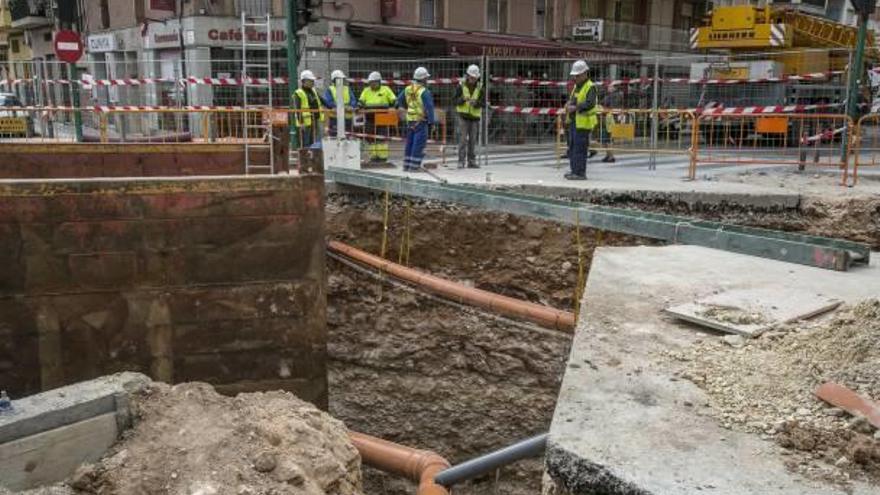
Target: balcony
[644, 36]
[29, 14]
[253, 8]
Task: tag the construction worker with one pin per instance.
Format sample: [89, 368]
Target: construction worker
[469, 99]
[613, 100]
[348, 101]
[309, 122]
[376, 96]
[581, 114]
[419, 106]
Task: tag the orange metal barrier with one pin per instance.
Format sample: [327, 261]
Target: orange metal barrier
[627, 131]
[771, 139]
[866, 144]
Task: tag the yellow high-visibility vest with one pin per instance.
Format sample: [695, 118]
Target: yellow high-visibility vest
[378, 98]
[466, 108]
[304, 119]
[346, 99]
[586, 120]
[415, 109]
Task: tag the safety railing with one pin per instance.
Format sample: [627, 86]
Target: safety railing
[382, 132]
[627, 132]
[799, 139]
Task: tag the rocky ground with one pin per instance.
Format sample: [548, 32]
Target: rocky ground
[416, 370]
[767, 386]
[189, 440]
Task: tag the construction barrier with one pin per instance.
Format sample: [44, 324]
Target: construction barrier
[866, 144]
[771, 139]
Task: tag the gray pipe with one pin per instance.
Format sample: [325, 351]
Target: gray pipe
[531, 447]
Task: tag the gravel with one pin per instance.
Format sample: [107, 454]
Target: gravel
[766, 386]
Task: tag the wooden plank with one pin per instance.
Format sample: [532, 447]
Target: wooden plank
[750, 312]
[53, 455]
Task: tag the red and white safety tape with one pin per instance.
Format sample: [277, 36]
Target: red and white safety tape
[712, 111]
[516, 81]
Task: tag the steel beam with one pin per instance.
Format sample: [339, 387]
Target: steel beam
[821, 252]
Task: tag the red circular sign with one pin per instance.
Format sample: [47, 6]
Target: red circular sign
[68, 46]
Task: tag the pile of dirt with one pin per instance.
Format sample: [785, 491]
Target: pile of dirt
[187, 439]
[767, 386]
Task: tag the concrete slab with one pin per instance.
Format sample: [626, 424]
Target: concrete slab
[624, 423]
[46, 436]
[750, 312]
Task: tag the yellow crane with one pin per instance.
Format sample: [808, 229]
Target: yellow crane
[742, 29]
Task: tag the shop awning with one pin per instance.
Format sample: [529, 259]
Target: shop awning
[447, 42]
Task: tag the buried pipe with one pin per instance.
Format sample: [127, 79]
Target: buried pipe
[531, 447]
[419, 466]
[508, 306]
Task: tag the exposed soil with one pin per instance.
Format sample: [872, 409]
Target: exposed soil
[767, 386]
[413, 369]
[852, 218]
[189, 440]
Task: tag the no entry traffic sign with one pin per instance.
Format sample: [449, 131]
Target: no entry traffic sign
[68, 46]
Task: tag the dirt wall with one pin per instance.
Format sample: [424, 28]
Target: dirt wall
[181, 279]
[410, 368]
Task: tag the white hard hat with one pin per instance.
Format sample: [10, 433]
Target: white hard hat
[337, 74]
[473, 71]
[579, 68]
[306, 75]
[421, 73]
[374, 76]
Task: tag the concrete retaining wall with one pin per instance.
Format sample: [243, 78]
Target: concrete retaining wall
[217, 280]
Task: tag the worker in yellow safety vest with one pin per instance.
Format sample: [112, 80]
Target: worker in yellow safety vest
[331, 101]
[469, 100]
[375, 97]
[581, 115]
[310, 120]
[416, 99]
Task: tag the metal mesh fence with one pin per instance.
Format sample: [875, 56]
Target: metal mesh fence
[649, 103]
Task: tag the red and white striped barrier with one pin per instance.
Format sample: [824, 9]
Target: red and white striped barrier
[149, 108]
[234, 81]
[699, 111]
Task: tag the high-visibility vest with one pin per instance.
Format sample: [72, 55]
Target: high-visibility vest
[415, 109]
[377, 98]
[304, 119]
[466, 108]
[585, 120]
[346, 100]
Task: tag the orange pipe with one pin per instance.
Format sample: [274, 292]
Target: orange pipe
[508, 306]
[419, 466]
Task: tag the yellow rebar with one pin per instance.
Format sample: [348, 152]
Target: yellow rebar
[579, 285]
[385, 224]
[406, 238]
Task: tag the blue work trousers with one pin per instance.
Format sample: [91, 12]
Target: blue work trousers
[416, 139]
[578, 149]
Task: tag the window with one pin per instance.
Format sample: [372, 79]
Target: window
[14, 46]
[427, 13]
[105, 14]
[496, 15]
[589, 9]
[540, 18]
